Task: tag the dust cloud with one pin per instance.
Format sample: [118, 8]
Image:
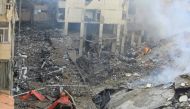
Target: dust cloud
[168, 19]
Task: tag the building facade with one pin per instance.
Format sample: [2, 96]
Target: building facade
[103, 20]
[8, 16]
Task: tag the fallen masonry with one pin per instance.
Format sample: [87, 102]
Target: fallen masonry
[47, 63]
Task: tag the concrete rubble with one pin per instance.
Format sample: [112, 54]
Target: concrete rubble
[48, 59]
[150, 98]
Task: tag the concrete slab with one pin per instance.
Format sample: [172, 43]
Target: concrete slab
[150, 98]
[182, 81]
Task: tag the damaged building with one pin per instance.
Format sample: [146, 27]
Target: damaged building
[100, 22]
[94, 54]
[8, 17]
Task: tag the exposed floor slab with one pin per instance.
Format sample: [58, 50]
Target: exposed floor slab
[150, 98]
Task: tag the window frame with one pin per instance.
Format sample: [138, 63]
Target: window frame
[2, 41]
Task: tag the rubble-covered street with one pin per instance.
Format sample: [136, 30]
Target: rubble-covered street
[110, 81]
[43, 61]
[94, 54]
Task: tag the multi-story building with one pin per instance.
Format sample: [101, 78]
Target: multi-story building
[8, 16]
[102, 21]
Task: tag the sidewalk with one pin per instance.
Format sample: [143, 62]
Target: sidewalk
[6, 101]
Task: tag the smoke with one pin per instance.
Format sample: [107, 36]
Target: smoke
[168, 19]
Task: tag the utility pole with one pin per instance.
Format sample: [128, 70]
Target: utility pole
[125, 30]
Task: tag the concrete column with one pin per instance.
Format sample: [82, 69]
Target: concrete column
[82, 30]
[140, 38]
[66, 28]
[9, 32]
[101, 36]
[133, 39]
[66, 20]
[115, 29]
[9, 63]
[118, 37]
[113, 49]
[139, 41]
[124, 39]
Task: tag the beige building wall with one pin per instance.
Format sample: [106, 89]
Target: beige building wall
[96, 12]
[5, 51]
[7, 23]
[75, 4]
[112, 16]
[3, 18]
[74, 15]
[113, 4]
[111, 10]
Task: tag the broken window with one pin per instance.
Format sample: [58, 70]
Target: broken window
[61, 14]
[38, 11]
[4, 35]
[92, 15]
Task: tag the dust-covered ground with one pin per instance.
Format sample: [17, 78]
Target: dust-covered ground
[43, 60]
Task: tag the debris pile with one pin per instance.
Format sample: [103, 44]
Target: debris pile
[46, 61]
[42, 61]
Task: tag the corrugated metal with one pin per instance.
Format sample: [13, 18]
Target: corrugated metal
[2, 7]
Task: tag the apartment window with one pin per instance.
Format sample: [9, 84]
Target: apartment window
[4, 35]
[61, 14]
[92, 15]
[8, 6]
